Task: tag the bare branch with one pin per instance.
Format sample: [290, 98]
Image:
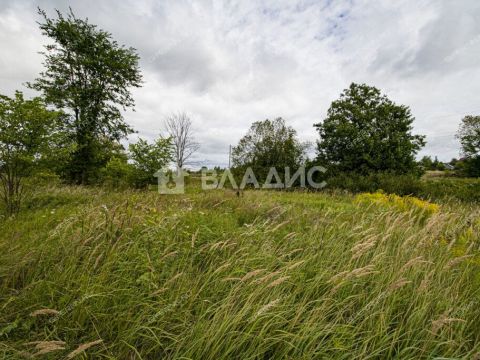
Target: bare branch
[179, 129]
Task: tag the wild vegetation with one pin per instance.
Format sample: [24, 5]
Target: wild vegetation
[383, 263]
[213, 276]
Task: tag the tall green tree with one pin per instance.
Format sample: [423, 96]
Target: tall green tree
[469, 136]
[268, 143]
[88, 75]
[28, 137]
[365, 132]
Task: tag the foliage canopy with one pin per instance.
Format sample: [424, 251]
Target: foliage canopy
[268, 143]
[88, 75]
[364, 132]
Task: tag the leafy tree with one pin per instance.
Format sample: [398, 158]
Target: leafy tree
[103, 150]
[469, 136]
[426, 163]
[453, 162]
[118, 172]
[366, 132]
[268, 143]
[28, 135]
[89, 76]
[148, 158]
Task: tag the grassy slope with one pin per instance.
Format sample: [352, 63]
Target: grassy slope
[212, 276]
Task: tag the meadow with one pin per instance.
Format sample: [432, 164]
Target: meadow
[94, 273]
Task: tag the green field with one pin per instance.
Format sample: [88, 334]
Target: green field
[209, 275]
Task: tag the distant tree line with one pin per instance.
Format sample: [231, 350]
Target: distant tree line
[366, 142]
[364, 132]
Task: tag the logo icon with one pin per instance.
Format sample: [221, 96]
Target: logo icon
[171, 182]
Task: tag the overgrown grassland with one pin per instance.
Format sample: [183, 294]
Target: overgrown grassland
[213, 276]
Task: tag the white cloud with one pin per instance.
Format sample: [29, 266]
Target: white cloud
[229, 63]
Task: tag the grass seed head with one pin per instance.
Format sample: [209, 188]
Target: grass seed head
[82, 348]
[44, 312]
[278, 281]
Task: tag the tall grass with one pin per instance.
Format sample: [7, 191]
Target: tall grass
[125, 275]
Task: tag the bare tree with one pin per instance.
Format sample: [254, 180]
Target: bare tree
[179, 128]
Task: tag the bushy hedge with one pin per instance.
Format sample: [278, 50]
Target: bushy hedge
[388, 182]
[434, 188]
[463, 189]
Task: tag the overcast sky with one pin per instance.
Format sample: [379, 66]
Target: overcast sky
[230, 63]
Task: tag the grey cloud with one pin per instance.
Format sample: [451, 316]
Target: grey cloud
[229, 63]
[186, 62]
[450, 42]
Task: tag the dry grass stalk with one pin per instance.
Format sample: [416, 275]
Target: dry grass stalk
[268, 277]
[457, 261]
[451, 244]
[335, 288]
[97, 260]
[412, 262]
[339, 276]
[471, 246]
[275, 208]
[378, 256]
[159, 291]
[194, 237]
[363, 271]
[278, 281]
[425, 282]
[227, 244]
[438, 324]
[221, 267]
[409, 240]
[289, 235]
[45, 312]
[386, 237]
[40, 344]
[45, 347]
[278, 226]
[173, 278]
[252, 274]
[25, 354]
[216, 245]
[219, 203]
[168, 255]
[82, 348]
[294, 251]
[267, 307]
[295, 265]
[398, 284]
[355, 273]
[48, 349]
[360, 249]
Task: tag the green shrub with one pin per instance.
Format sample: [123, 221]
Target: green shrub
[467, 190]
[435, 188]
[388, 182]
[117, 173]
